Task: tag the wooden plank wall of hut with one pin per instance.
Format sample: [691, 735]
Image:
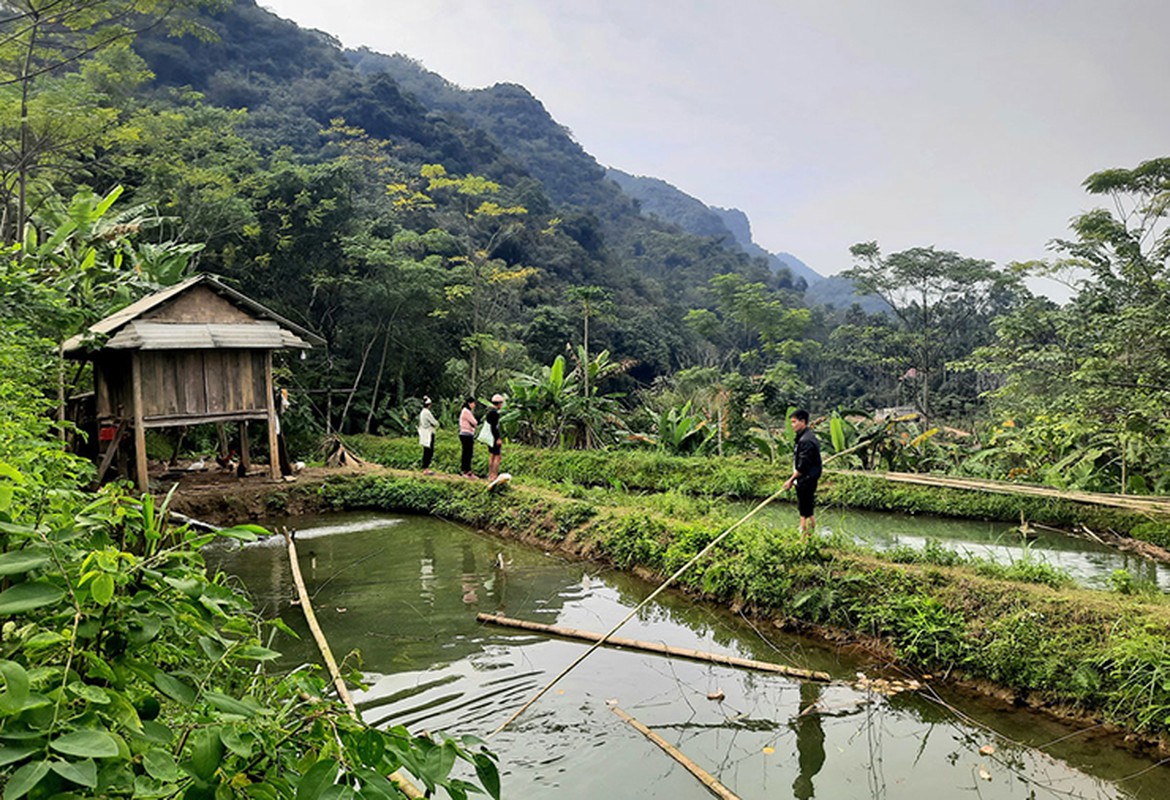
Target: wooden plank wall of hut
[192, 386]
[112, 386]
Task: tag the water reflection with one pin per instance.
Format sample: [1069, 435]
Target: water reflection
[810, 741]
[406, 594]
[1089, 563]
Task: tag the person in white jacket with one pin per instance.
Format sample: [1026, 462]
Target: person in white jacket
[426, 435]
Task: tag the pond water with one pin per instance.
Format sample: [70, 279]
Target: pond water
[405, 591]
[1089, 563]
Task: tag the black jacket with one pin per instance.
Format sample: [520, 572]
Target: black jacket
[807, 458]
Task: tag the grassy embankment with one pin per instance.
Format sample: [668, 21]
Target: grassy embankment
[750, 478]
[1023, 627]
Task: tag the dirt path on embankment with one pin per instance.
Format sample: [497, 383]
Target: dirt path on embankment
[224, 499]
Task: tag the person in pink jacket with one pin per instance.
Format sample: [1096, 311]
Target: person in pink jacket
[467, 423]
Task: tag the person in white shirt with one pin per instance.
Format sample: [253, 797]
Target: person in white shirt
[426, 435]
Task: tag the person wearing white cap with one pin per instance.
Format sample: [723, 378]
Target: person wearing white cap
[492, 418]
[426, 435]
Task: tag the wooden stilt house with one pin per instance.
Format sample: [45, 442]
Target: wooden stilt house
[197, 352]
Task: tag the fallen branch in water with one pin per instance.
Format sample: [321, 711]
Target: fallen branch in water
[656, 647]
[715, 787]
[399, 780]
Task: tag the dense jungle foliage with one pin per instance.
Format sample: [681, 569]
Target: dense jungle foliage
[451, 242]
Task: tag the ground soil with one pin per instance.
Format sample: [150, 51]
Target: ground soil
[222, 498]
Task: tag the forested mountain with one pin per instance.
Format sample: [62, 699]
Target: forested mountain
[447, 241]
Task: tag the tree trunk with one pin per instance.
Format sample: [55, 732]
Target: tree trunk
[378, 381]
[357, 380]
[22, 162]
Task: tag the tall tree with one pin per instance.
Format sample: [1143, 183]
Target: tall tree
[1091, 379]
[938, 297]
[44, 38]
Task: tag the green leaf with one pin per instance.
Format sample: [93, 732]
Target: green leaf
[837, 433]
[211, 648]
[157, 732]
[102, 589]
[488, 774]
[27, 596]
[317, 779]
[206, 755]
[244, 533]
[375, 786]
[10, 754]
[142, 630]
[174, 688]
[82, 772]
[192, 587]
[256, 653]
[15, 688]
[237, 742]
[17, 562]
[438, 763]
[86, 744]
[94, 694]
[229, 705]
[25, 780]
[161, 765]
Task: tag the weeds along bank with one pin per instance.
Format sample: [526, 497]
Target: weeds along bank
[649, 471]
[1027, 630]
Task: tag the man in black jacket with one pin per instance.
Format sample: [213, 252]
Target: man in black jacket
[806, 471]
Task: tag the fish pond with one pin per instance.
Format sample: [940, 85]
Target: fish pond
[405, 591]
[1088, 563]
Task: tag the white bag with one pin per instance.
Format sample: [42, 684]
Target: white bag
[485, 435]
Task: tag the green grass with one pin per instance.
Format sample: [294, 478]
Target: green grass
[576, 472]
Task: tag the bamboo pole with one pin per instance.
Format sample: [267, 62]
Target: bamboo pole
[399, 780]
[1131, 502]
[715, 787]
[694, 560]
[656, 647]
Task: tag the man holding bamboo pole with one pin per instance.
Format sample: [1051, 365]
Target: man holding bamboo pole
[806, 471]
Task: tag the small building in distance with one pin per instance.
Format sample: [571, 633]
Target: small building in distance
[197, 352]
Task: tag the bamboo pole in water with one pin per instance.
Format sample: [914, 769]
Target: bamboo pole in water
[397, 778]
[605, 637]
[656, 647]
[715, 787]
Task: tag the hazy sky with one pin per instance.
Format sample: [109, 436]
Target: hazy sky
[964, 124]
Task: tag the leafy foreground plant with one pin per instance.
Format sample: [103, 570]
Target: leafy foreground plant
[128, 672]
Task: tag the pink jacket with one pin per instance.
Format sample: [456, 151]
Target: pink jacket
[467, 422]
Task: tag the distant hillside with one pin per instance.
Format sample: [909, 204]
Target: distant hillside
[672, 205]
[740, 226]
[514, 119]
[838, 293]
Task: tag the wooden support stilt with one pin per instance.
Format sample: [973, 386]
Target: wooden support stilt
[657, 647]
[273, 444]
[141, 468]
[221, 435]
[400, 780]
[245, 454]
[111, 451]
[707, 779]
